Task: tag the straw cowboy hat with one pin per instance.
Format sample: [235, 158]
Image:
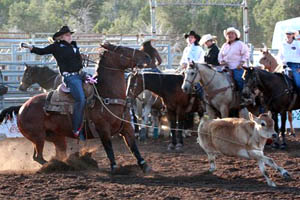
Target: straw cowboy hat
[63, 30]
[234, 30]
[206, 38]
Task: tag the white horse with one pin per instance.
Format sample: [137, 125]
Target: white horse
[219, 94]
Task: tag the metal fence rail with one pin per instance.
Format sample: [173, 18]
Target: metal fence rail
[13, 59]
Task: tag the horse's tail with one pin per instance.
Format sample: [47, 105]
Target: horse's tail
[8, 112]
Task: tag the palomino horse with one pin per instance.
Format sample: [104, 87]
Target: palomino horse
[278, 97]
[44, 76]
[178, 104]
[219, 94]
[38, 126]
[271, 64]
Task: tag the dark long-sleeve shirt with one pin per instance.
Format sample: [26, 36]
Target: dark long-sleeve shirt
[67, 55]
[212, 55]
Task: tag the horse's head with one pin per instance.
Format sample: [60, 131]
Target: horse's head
[114, 61]
[134, 85]
[29, 77]
[267, 60]
[3, 90]
[141, 58]
[250, 84]
[191, 76]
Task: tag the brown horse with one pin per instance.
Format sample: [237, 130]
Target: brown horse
[44, 76]
[271, 64]
[129, 52]
[38, 126]
[178, 103]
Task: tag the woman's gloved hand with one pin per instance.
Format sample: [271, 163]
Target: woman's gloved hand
[26, 45]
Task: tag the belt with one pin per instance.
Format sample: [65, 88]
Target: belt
[66, 74]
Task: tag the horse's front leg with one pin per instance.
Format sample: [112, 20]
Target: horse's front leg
[276, 128]
[105, 136]
[128, 135]
[283, 129]
[224, 110]
[211, 111]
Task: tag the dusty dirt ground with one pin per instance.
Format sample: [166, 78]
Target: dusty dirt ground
[175, 175]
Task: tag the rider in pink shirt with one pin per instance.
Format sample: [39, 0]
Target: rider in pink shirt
[234, 54]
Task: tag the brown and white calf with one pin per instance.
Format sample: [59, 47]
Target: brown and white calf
[239, 137]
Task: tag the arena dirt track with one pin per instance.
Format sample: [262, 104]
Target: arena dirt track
[175, 175]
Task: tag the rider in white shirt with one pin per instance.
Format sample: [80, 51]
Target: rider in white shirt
[193, 52]
[289, 55]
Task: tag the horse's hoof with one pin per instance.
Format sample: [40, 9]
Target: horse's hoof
[146, 168]
[283, 146]
[293, 134]
[275, 145]
[171, 147]
[113, 169]
[286, 175]
[179, 147]
[40, 160]
[271, 183]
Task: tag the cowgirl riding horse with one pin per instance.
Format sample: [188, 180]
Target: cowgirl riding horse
[69, 60]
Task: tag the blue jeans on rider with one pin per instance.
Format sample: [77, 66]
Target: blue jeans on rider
[237, 75]
[295, 67]
[74, 82]
[199, 90]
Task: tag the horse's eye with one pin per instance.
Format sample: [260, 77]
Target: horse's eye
[192, 73]
[263, 124]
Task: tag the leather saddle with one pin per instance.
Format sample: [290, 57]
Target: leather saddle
[61, 101]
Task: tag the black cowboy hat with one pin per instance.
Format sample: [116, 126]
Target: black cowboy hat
[198, 37]
[63, 30]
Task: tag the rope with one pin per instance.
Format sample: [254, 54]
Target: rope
[126, 121]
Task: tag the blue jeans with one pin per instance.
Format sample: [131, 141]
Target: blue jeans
[295, 67]
[237, 76]
[74, 82]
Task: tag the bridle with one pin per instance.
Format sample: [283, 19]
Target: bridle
[132, 58]
[192, 82]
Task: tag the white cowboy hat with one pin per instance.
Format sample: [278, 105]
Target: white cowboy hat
[206, 38]
[290, 31]
[234, 30]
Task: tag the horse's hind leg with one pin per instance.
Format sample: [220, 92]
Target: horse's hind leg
[60, 147]
[128, 136]
[38, 152]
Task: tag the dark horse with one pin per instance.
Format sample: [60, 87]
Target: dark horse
[178, 103]
[3, 90]
[38, 126]
[278, 91]
[44, 76]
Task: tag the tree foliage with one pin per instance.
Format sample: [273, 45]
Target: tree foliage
[133, 17]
